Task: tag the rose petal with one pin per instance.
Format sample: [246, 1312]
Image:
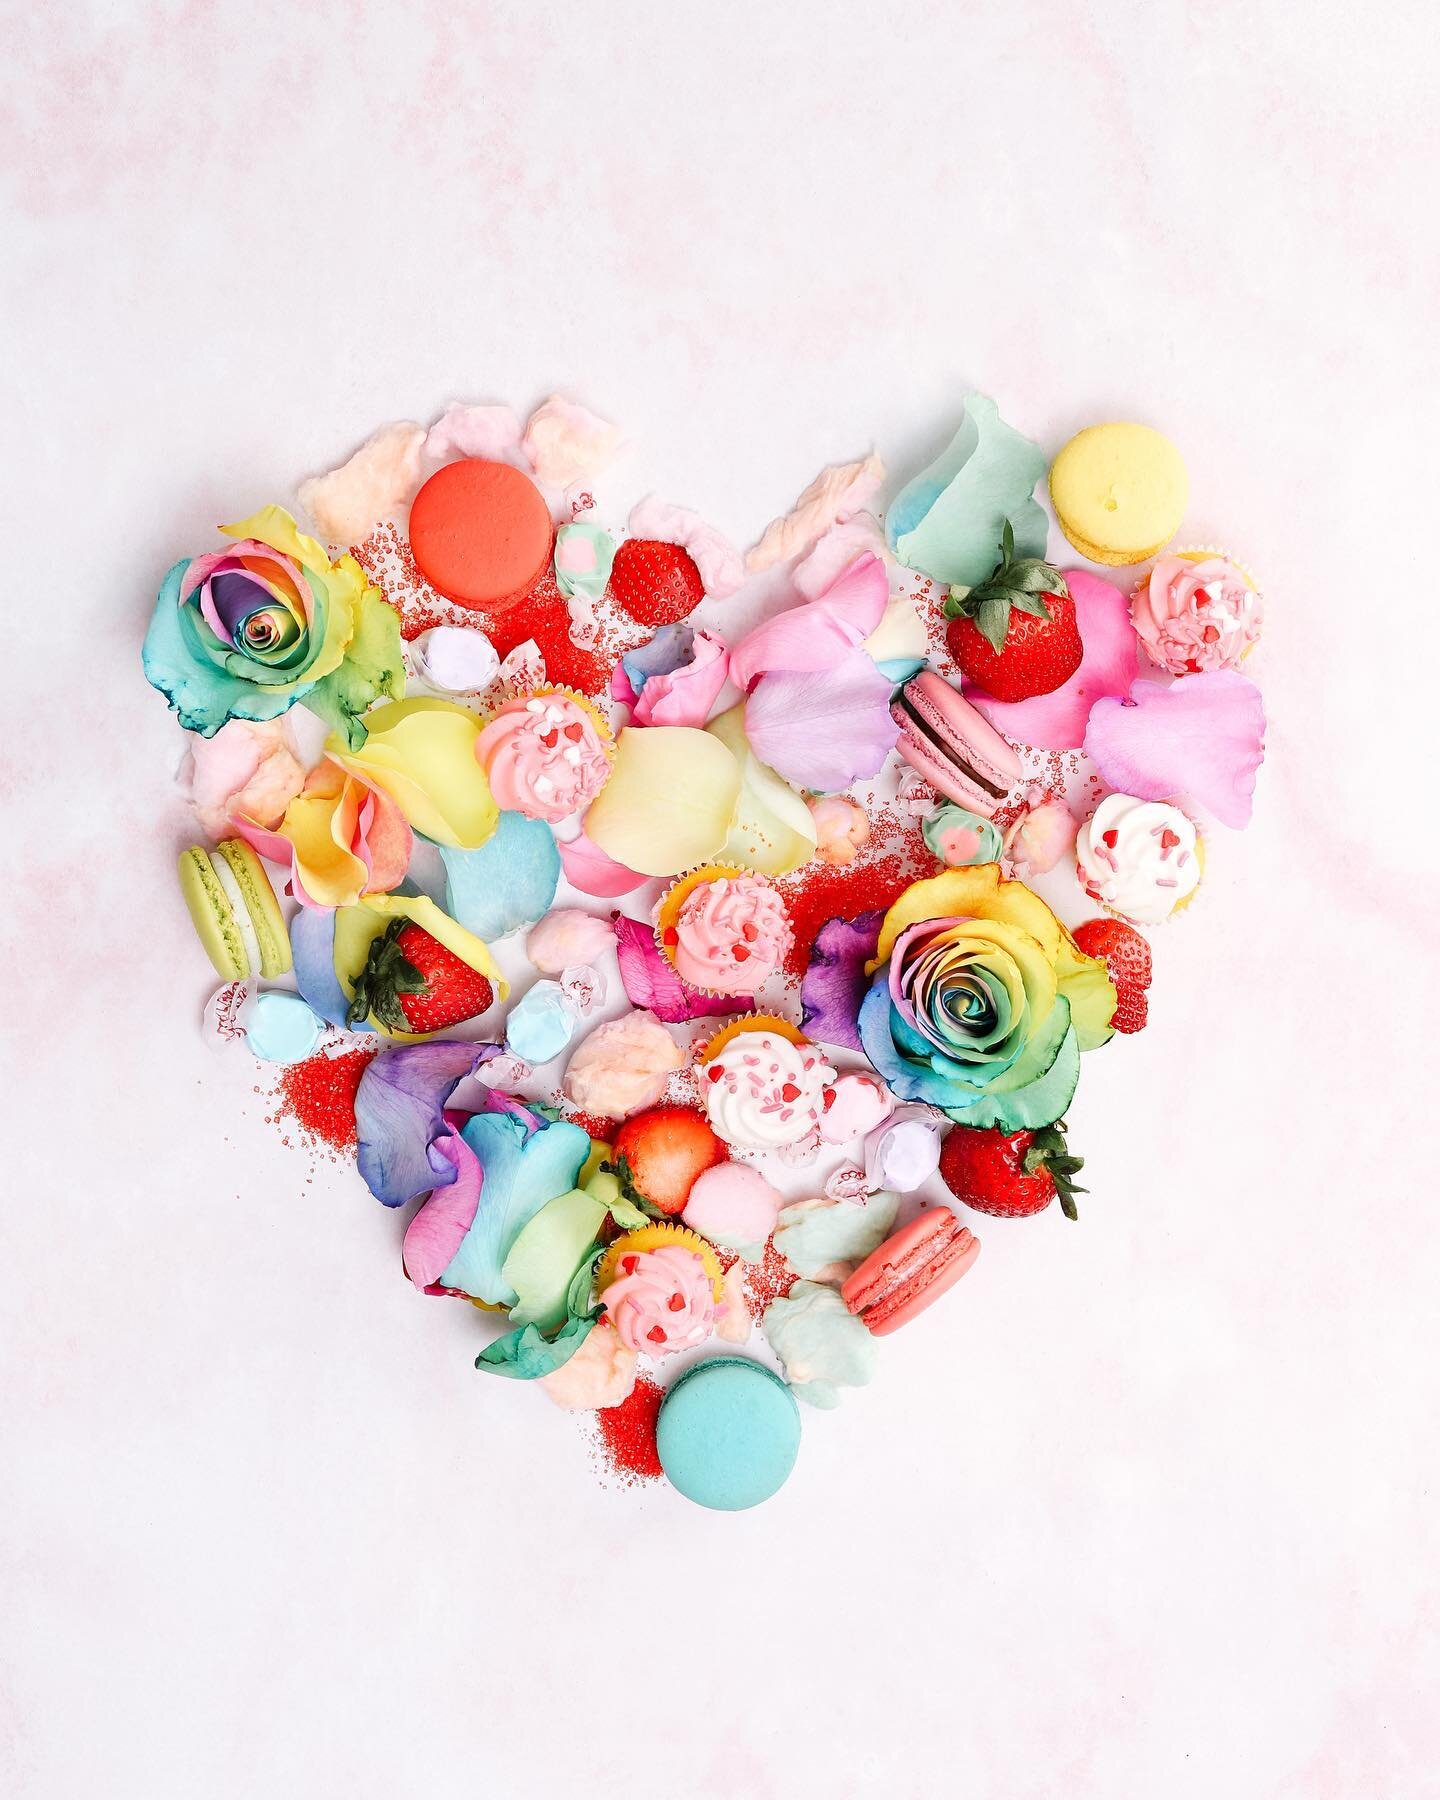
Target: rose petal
[669, 802]
[773, 830]
[1201, 739]
[438, 1228]
[650, 982]
[1108, 665]
[506, 884]
[588, 868]
[399, 1108]
[312, 945]
[684, 696]
[822, 632]
[835, 983]
[823, 730]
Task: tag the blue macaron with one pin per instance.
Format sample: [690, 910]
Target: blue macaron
[728, 1433]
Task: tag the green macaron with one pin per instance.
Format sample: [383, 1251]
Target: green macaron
[234, 910]
[728, 1433]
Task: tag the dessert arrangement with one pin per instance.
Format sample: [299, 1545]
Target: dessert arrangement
[703, 944]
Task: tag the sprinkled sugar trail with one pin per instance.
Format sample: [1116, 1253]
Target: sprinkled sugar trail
[625, 1436]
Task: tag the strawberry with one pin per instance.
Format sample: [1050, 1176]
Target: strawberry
[411, 982]
[659, 1153]
[657, 584]
[1007, 638]
[1010, 1176]
[1126, 956]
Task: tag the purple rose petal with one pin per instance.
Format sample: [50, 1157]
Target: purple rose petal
[399, 1108]
[826, 729]
[835, 982]
[1200, 739]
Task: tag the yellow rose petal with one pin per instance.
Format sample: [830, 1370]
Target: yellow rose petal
[357, 927]
[773, 831]
[669, 802]
[422, 753]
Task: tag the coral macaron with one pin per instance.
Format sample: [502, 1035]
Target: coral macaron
[481, 533]
[910, 1271]
[944, 739]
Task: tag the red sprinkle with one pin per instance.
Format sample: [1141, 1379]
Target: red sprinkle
[319, 1094]
[627, 1434]
[895, 855]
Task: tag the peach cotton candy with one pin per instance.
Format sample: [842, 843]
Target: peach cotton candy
[1040, 838]
[841, 827]
[245, 768]
[380, 479]
[568, 938]
[600, 1373]
[836, 551]
[567, 442]
[733, 1323]
[622, 1067]
[834, 496]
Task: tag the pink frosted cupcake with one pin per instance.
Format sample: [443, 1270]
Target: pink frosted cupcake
[723, 930]
[1196, 611]
[546, 756]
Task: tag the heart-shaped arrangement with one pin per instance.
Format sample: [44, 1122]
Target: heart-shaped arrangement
[818, 814]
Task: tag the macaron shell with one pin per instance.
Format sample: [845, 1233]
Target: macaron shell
[961, 730]
[728, 1433]
[264, 909]
[1119, 492]
[211, 915]
[910, 1271]
[481, 533]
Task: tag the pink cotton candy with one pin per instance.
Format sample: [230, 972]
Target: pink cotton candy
[717, 559]
[567, 442]
[686, 695]
[836, 494]
[245, 768]
[819, 634]
[1202, 739]
[491, 432]
[1039, 838]
[1108, 665]
[379, 480]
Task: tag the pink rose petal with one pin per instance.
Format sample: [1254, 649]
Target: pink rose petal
[1108, 666]
[826, 729]
[438, 1229]
[588, 868]
[684, 696]
[822, 632]
[650, 982]
[1201, 739]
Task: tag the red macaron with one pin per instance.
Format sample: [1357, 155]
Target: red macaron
[910, 1270]
[481, 533]
[960, 754]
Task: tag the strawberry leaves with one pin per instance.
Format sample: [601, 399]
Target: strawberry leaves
[388, 973]
[1048, 1151]
[1015, 584]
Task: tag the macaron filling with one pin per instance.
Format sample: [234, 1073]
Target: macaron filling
[905, 711]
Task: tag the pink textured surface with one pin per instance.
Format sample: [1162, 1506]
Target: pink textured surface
[1185, 1451]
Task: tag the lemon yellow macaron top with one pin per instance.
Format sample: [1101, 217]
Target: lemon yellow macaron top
[1119, 491]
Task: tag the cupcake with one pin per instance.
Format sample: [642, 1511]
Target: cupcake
[766, 1087]
[723, 930]
[546, 756]
[1197, 611]
[1140, 859]
[659, 1287]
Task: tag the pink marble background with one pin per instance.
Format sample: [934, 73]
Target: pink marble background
[1154, 1513]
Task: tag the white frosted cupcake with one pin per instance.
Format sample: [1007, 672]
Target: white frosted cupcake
[1140, 859]
[765, 1087]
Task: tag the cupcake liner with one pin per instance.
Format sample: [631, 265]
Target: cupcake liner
[667, 911]
[657, 1237]
[604, 729]
[753, 1021]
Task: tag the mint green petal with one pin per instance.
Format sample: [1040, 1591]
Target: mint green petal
[203, 696]
[527, 1354]
[947, 520]
[1028, 1108]
[546, 1256]
[1039, 1050]
[372, 668]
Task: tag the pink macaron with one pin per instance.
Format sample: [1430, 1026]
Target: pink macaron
[910, 1270]
[960, 754]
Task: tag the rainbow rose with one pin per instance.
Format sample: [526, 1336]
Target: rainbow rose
[980, 1001]
[247, 631]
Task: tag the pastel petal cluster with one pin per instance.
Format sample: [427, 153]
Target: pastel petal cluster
[245, 632]
[422, 753]
[1196, 614]
[675, 679]
[1201, 739]
[248, 767]
[340, 837]
[980, 1001]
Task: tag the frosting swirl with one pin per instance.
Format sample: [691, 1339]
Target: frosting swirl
[1138, 857]
[1194, 616]
[730, 935]
[661, 1301]
[763, 1092]
[544, 757]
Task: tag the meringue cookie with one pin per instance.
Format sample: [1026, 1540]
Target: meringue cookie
[820, 1343]
[905, 1150]
[1039, 838]
[455, 659]
[841, 827]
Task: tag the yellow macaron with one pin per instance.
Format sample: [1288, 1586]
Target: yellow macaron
[1119, 491]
